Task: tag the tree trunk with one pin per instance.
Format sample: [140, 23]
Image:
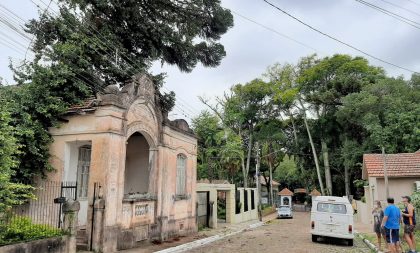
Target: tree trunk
[294, 128]
[327, 169]
[318, 172]
[248, 159]
[244, 171]
[270, 166]
[347, 179]
[271, 183]
[296, 157]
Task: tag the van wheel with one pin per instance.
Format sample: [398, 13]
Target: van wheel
[314, 238]
[350, 242]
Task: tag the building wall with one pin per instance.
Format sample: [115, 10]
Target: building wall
[397, 187]
[376, 191]
[108, 130]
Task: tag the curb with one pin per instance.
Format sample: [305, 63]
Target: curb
[201, 242]
[369, 244]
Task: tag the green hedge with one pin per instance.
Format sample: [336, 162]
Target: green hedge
[22, 229]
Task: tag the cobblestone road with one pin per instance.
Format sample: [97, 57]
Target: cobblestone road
[291, 236]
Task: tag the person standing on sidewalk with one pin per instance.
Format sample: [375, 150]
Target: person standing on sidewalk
[391, 223]
[409, 219]
[378, 215]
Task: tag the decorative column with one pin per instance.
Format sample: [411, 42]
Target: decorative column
[97, 234]
[71, 209]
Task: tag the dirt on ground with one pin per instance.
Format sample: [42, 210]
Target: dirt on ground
[289, 236]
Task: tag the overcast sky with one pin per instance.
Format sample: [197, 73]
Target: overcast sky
[251, 48]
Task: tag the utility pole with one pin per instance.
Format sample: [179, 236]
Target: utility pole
[385, 172]
[257, 172]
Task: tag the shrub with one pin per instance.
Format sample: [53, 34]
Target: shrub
[22, 229]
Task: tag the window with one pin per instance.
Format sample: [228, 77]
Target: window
[83, 166]
[181, 165]
[245, 201]
[331, 208]
[252, 199]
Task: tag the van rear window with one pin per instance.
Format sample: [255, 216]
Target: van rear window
[331, 208]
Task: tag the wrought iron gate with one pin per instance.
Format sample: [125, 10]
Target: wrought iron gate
[68, 190]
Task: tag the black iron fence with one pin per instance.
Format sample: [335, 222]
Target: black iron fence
[40, 217]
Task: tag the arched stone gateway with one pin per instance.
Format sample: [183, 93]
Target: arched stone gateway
[135, 157]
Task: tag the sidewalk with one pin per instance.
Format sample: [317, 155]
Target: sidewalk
[203, 236]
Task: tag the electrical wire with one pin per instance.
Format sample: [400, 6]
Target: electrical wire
[274, 31]
[402, 8]
[391, 14]
[339, 41]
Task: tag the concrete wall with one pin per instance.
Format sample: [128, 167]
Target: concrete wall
[364, 213]
[231, 216]
[376, 191]
[397, 187]
[251, 214]
[51, 245]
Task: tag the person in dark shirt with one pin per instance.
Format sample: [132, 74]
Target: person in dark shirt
[378, 215]
[409, 219]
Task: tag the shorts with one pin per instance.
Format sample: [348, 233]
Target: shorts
[392, 235]
[378, 229]
[408, 229]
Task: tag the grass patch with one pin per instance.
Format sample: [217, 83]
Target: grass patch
[373, 239]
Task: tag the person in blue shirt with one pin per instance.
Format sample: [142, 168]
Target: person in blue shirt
[391, 223]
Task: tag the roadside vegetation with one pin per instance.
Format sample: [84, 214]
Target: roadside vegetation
[310, 122]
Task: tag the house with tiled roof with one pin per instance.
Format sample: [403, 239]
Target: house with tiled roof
[265, 190]
[403, 172]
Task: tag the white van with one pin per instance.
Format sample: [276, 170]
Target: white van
[332, 217]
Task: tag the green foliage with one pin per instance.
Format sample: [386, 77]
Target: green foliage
[220, 149]
[22, 229]
[389, 113]
[415, 200]
[10, 193]
[84, 48]
[287, 172]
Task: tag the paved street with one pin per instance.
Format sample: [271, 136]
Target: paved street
[291, 236]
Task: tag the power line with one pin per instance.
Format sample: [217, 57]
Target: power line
[274, 31]
[391, 14]
[181, 107]
[411, 1]
[400, 7]
[32, 39]
[339, 41]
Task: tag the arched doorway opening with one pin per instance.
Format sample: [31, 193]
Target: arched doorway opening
[137, 166]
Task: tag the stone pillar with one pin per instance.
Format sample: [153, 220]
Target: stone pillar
[71, 209]
[97, 235]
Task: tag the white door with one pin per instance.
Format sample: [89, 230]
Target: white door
[83, 168]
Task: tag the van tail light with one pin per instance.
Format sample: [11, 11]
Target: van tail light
[350, 229]
[313, 224]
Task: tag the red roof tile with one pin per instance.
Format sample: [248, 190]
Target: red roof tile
[398, 165]
[87, 105]
[262, 181]
[285, 192]
[315, 192]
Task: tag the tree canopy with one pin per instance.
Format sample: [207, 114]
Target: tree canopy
[87, 45]
[332, 110]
